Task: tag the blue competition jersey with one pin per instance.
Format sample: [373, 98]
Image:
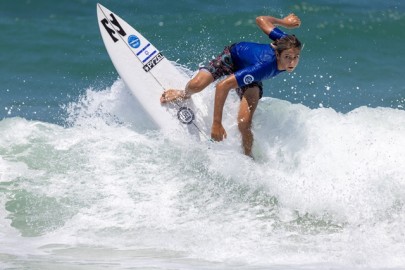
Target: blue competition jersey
[253, 62]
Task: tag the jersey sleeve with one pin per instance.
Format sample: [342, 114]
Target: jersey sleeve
[276, 33]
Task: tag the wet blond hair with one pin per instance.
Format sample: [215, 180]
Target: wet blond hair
[287, 42]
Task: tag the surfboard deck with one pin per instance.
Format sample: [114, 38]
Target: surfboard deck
[147, 73]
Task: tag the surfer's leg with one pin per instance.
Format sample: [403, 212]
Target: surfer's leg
[201, 80]
[247, 108]
[220, 66]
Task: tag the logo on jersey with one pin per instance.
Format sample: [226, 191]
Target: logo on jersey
[134, 41]
[248, 79]
[185, 115]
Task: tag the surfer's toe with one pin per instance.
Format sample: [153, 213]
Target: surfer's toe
[163, 98]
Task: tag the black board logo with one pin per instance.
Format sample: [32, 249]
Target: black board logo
[153, 62]
[111, 31]
[185, 115]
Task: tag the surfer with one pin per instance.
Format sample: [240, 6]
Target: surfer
[245, 64]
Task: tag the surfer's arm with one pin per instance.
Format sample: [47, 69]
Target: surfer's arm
[218, 132]
[268, 23]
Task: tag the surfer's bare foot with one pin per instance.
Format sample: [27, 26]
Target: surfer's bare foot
[171, 95]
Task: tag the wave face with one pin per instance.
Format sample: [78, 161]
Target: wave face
[327, 189]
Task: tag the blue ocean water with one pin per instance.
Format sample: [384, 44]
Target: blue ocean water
[85, 184]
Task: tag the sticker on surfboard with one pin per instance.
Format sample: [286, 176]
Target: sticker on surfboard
[147, 73]
[185, 115]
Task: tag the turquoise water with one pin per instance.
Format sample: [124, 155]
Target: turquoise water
[84, 184]
[351, 58]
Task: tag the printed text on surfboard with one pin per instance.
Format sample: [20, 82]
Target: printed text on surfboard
[153, 62]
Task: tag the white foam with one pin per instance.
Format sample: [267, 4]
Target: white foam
[326, 187]
[335, 162]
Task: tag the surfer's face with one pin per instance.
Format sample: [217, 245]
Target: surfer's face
[288, 59]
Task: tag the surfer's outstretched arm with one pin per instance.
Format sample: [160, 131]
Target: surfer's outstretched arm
[268, 23]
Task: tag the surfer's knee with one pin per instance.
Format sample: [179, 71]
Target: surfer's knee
[196, 85]
[244, 124]
[200, 81]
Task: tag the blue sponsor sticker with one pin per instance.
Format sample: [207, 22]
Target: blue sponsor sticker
[134, 41]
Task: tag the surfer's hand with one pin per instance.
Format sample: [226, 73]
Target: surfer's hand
[291, 21]
[171, 95]
[218, 132]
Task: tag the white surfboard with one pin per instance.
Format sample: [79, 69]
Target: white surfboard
[147, 73]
